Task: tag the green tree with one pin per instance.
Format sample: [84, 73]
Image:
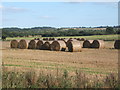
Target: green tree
[110, 30]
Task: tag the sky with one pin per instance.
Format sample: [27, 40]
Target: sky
[59, 14]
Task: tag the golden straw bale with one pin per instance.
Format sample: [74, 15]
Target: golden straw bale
[39, 44]
[74, 46]
[23, 44]
[87, 43]
[32, 44]
[58, 45]
[46, 45]
[98, 44]
[14, 44]
[117, 44]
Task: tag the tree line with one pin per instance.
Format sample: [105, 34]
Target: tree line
[55, 32]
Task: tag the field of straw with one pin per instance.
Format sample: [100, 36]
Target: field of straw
[92, 62]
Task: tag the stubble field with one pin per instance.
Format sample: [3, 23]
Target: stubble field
[90, 61]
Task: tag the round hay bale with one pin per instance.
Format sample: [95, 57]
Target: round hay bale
[65, 40]
[74, 46]
[49, 39]
[39, 44]
[14, 44]
[46, 45]
[52, 39]
[59, 39]
[32, 44]
[55, 39]
[70, 41]
[23, 44]
[46, 39]
[79, 39]
[87, 43]
[117, 44]
[38, 39]
[58, 46]
[98, 44]
[82, 39]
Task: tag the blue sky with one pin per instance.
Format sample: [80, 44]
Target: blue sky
[59, 14]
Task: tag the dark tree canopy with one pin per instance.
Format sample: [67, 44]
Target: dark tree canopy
[109, 30]
[54, 32]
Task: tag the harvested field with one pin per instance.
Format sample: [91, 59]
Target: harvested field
[92, 61]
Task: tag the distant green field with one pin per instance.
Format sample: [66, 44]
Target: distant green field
[104, 37]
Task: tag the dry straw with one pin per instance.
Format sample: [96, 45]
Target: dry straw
[79, 39]
[23, 44]
[98, 44]
[46, 39]
[14, 44]
[74, 46]
[39, 44]
[82, 39]
[52, 39]
[70, 41]
[32, 44]
[59, 39]
[65, 40]
[58, 45]
[117, 44]
[46, 45]
[87, 43]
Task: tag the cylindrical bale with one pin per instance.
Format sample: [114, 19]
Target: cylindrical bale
[58, 46]
[39, 44]
[46, 45]
[51, 39]
[82, 39]
[79, 39]
[98, 44]
[23, 44]
[55, 39]
[117, 44]
[14, 44]
[32, 44]
[70, 41]
[38, 39]
[58, 39]
[74, 46]
[65, 40]
[46, 39]
[87, 43]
